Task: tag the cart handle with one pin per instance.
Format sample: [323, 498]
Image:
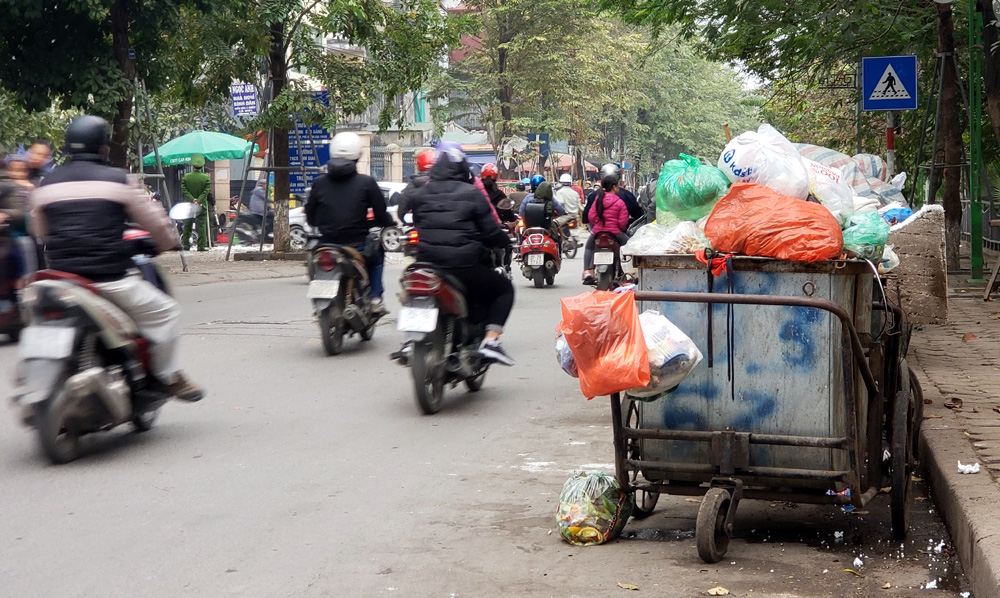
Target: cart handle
[777, 300]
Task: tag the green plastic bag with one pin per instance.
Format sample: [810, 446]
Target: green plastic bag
[592, 509]
[866, 235]
[688, 189]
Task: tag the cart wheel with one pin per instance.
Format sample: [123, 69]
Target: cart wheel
[901, 441]
[917, 395]
[645, 501]
[710, 530]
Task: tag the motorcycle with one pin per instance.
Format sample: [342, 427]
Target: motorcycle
[338, 288]
[84, 367]
[567, 224]
[442, 337]
[540, 256]
[607, 261]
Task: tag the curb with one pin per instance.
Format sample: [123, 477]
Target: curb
[968, 503]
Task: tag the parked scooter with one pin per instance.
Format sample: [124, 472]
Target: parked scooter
[442, 337]
[338, 288]
[540, 256]
[84, 367]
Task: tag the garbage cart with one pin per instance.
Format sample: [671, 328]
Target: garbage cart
[803, 395]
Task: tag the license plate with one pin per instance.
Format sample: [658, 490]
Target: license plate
[536, 259]
[604, 258]
[417, 319]
[46, 342]
[323, 289]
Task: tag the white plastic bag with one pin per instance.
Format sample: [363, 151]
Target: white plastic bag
[656, 239]
[889, 260]
[827, 184]
[565, 357]
[899, 181]
[766, 157]
[672, 355]
[866, 204]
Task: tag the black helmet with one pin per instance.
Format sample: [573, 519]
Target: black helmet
[521, 186]
[86, 135]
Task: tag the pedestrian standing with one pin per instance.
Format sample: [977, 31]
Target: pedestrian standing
[195, 186]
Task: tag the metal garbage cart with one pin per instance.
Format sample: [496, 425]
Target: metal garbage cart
[803, 395]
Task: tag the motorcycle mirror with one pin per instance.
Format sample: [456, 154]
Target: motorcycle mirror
[185, 210]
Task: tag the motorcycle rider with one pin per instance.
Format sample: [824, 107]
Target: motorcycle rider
[608, 213]
[338, 206]
[80, 211]
[521, 191]
[506, 214]
[455, 232]
[424, 162]
[635, 211]
[567, 196]
[647, 199]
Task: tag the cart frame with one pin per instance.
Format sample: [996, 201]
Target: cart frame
[894, 409]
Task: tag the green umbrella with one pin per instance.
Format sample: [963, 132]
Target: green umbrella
[214, 146]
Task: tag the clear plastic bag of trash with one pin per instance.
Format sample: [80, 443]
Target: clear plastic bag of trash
[866, 236]
[688, 189]
[826, 184]
[592, 509]
[565, 357]
[765, 156]
[657, 239]
[672, 356]
[889, 260]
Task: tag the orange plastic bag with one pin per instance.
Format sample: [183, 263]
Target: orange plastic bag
[755, 220]
[602, 330]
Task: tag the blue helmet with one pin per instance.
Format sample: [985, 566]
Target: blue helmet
[452, 150]
[536, 181]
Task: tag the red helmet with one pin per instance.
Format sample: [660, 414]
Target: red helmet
[425, 160]
[490, 170]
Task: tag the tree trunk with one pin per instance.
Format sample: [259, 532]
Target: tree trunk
[123, 110]
[279, 139]
[991, 52]
[505, 91]
[951, 134]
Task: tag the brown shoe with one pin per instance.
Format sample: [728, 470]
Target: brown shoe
[183, 390]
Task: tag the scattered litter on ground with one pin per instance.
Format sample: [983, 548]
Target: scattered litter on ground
[974, 468]
[858, 563]
[627, 586]
[886, 586]
[718, 591]
[968, 337]
[931, 585]
[954, 403]
[852, 571]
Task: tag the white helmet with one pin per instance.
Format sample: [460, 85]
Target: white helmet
[566, 178]
[346, 145]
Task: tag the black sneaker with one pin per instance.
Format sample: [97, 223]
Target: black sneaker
[492, 350]
[378, 308]
[182, 390]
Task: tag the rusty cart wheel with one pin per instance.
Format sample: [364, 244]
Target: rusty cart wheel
[918, 414]
[901, 454]
[710, 530]
[645, 501]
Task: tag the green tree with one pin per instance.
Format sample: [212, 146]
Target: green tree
[79, 54]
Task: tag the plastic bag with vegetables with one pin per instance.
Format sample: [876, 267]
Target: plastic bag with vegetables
[688, 189]
[592, 509]
[655, 239]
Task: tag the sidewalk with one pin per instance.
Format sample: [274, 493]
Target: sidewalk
[959, 362]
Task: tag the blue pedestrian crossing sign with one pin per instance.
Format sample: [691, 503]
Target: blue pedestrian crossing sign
[889, 83]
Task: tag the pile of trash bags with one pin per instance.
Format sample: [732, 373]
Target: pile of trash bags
[766, 196]
[592, 509]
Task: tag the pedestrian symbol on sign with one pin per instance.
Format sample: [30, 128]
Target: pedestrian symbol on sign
[889, 87]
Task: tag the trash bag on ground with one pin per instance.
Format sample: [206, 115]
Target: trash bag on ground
[688, 189]
[603, 331]
[656, 239]
[766, 157]
[826, 184]
[866, 236]
[672, 355]
[592, 509]
[755, 220]
[565, 357]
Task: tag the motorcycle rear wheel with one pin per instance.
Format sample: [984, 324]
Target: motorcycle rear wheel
[428, 386]
[538, 277]
[60, 444]
[143, 422]
[569, 248]
[604, 282]
[331, 328]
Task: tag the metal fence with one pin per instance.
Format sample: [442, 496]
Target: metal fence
[378, 155]
[409, 164]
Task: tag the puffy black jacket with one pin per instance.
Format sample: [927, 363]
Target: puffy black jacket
[496, 196]
[80, 212]
[406, 195]
[339, 201]
[454, 223]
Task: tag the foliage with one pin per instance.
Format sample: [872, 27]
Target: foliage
[20, 127]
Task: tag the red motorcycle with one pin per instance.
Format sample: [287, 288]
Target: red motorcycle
[540, 254]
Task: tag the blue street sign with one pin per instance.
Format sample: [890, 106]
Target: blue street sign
[543, 143]
[315, 141]
[244, 99]
[889, 83]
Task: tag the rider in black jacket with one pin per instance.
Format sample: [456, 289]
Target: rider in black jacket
[455, 230]
[338, 206]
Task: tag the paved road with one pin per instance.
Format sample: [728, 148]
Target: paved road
[303, 475]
